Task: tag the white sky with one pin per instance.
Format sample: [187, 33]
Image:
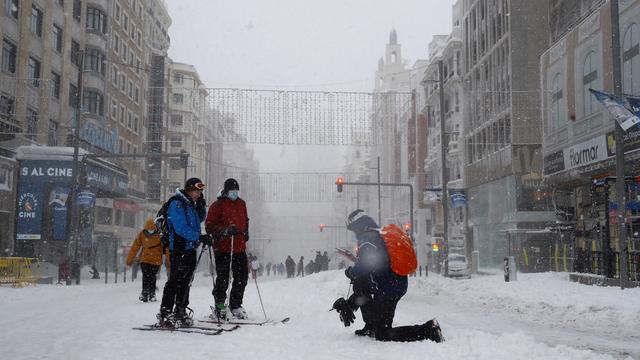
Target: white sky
[299, 44]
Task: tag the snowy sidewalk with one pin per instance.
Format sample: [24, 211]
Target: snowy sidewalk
[541, 316]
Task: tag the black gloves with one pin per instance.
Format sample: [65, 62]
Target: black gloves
[206, 240]
[348, 272]
[346, 314]
[246, 235]
[229, 231]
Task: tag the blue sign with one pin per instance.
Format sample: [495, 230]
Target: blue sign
[98, 136]
[106, 179]
[86, 198]
[458, 198]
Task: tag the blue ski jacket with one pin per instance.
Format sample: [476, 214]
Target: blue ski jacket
[184, 223]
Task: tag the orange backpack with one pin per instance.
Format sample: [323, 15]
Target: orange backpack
[402, 256]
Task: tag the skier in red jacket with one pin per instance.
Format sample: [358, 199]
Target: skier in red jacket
[228, 223]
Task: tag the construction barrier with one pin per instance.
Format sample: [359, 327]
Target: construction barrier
[17, 271]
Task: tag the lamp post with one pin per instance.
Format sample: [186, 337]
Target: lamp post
[73, 191]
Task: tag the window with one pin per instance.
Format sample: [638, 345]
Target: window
[139, 39]
[9, 51]
[136, 96]
[93, 102]
[178, 98]
[7, 107]
[125, 22]
[120, 146]
[129, 120]
[630, 61]
[103, 215]
[114, 76]
[123, 82]
[11, 8]
[136, 122]
[176, 120]
[589, 77]
[52, 134]
[56, 38]
[32, 124]
[33, 73]
[36, 21]
[176, 141]
[117, 12]
[138, 66]
[60, 2]
[73, 96]
[178, 78]
[130, 90]
[77, 10]
[94, 60]
[123, 111]
[116, 43]
[558, 113]
[75, 53]
[114, 110]
[55, 85]
[96, 20]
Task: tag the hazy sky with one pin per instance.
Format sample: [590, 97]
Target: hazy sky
[301, 44]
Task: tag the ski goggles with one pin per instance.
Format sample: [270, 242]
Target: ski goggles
[197, 186]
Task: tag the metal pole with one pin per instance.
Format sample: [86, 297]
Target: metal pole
[379, 196]
[186, 168]
[443, 150]
[73, 191]
[620, 178]
[411, 209]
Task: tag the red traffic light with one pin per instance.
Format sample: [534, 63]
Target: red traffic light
[406, 227]
[339, 183]
[322, 226]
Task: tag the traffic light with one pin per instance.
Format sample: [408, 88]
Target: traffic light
[184, 159]
[339, 183]
[322, 226]
[435, 247]
[406, 227]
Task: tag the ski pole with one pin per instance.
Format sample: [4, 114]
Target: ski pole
[211, 266]
[255, 280]
[229, 284]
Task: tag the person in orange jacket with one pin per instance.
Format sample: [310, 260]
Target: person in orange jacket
[148, 243]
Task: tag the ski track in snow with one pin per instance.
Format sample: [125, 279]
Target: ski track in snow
[540, 316]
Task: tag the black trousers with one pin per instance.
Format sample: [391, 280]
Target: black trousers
[240, 271]
[149, 272]
[176, 289]
[378, 314]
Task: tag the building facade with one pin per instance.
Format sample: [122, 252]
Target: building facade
[579, 140]
[502, 125]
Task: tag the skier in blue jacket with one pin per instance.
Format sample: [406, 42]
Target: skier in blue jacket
[187, 209]
[377, 289]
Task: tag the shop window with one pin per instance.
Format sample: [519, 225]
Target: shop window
[6, 175]
[558, 113]
[589, 79]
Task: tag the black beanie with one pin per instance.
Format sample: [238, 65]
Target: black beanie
[192, 184]
[230, 184]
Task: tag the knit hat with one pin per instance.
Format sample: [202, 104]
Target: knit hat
[230, 184]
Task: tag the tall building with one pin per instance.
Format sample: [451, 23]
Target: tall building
[157, 23]
[186, 127]
[502, 125]
[448, 49]
[579, 138]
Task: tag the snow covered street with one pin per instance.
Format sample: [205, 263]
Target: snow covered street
[541, 316]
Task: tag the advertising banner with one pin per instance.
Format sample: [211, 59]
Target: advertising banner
[458, 198]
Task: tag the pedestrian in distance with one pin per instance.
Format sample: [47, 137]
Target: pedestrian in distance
[301, 267]
[151, 251]
[228, 223]
[377, 288]
[325, 261]
[290, 264]
[317, 262]
[185, 211]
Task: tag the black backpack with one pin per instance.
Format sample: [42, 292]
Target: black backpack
[162, 221]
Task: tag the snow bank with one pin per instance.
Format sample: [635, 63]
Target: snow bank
[94, 320]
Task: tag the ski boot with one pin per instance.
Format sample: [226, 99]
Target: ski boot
[183, 318]
[166, 321]
[152, 298]
[220, 313]
[365, 331]
[433, 331]
[239, 313]
[143, 297]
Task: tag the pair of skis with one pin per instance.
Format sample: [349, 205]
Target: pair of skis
[209, 330]
[204, 330]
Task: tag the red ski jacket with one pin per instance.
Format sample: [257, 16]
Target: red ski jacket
[223, 213]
